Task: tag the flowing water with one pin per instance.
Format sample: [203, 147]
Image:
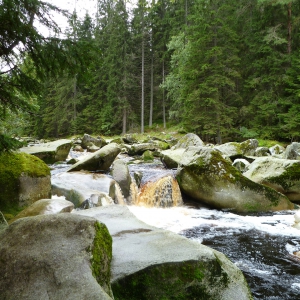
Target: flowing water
[262, 246]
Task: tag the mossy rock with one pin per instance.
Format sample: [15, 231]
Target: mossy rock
[207, 177]
[50, 152]
[246, 148]
[18, 173]
[188, 140]
[148, 156]
[283, 175]
[62, 256]
[177, 281]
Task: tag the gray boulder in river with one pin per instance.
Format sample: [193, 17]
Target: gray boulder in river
[282, 175]
[96, 189]
[64, 256]
[246, 148]
[50, 152]
[100, 160]
[207, 177]
[150, 263]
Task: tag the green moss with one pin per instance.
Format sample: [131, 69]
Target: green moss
[288, 177]
[101, 256]
[210, 172]
[148, 156]
[12, 166]
[176, 281]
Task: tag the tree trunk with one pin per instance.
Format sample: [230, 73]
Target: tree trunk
[163, 102]
[124, 121]
[289, 46]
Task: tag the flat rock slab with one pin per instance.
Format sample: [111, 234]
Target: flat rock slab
[80, 186]
[50, 152]
[100, 160]
[150, 263]
[51, 257]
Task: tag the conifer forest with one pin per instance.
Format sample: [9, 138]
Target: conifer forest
[223, 69]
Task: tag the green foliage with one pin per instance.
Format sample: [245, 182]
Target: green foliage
[7, 143]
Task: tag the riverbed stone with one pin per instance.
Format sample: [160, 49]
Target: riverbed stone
[120, 173]
[24, 179]
[277, 150]
[87, 140]
[172, 157]
[246, 148]
[77, 187]
[139, 149]
[151, 263]
[45, 207]
[50, 152]
[190, 139]
[100, 160]
[292, 151]
[283, 175]
[241, 164]
[63, 256]
[207, 177]
[262, 151]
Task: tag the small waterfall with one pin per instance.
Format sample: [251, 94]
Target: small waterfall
[163, 192]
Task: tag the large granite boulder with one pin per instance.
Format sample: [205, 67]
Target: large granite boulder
[120, 173]
[207, 177]
[50, 152]
[292, 151]
[246, 148]
[139, 149]
[24, 179]
[160, 192]
[189, 139]
[172, 157]
[88, 141]
[64, 256]
[45, 207]
[100, 160]
[283, 175]
[96, 189]
[151, 263]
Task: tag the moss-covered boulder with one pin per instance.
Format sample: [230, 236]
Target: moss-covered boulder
[189, 139]
[50, 152]
[100, 160]
[246, 148]
[77, 187]
[64, 256]
[24, 179]
[148, 156]
[45, 207]
[150, 263]
[283, 175]
[207, 177]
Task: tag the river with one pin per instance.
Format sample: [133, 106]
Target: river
[261, 246]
